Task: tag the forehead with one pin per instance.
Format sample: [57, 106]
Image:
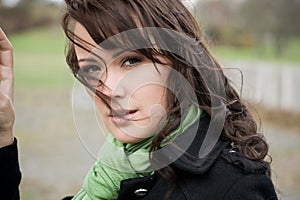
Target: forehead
[91, 49]
[83, 38]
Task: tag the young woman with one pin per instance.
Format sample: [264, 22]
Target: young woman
[176, 128]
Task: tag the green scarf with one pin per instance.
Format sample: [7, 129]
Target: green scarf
[119, 161]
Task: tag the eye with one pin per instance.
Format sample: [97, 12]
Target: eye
[92, 74]
[131, 61]
[92, 69]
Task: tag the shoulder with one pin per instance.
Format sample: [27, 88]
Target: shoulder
[232, 176]
[254, 186]
[251, 180]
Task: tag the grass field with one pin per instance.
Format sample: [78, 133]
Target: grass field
[291, 53]
[39, 58]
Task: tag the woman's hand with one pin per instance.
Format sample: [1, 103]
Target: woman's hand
[7, 114]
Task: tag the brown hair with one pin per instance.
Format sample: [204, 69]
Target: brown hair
[104, 19]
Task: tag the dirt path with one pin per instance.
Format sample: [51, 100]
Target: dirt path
[54, 160]
[285, 149]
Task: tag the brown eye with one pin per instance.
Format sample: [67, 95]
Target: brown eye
[131, 61]
[92, 74]
[92, 69]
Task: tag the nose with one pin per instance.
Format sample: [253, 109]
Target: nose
[113, 85]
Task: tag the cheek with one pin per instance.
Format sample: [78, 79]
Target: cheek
[150, 97]
[101, 107]
[152, 104]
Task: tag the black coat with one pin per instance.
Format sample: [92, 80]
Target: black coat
[225, 174]
[10, 175]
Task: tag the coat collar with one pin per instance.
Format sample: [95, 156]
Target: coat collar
[183, 152]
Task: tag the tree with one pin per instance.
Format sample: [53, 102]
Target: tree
[27, 14]
[277, 18]
[219, 19]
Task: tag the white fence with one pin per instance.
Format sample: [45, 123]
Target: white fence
[274, 85]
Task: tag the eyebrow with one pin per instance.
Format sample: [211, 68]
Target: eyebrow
[115, 55]
[118, 53]
[87, 60]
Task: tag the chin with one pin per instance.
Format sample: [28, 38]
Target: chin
[131, 133]
[125, 138]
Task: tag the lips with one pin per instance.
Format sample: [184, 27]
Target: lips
[122, 113]
[121, 117]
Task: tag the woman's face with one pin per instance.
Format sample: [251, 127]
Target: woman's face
[136, 88]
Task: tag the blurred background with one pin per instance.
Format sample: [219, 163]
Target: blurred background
[259, 38]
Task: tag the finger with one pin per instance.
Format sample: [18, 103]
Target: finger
[6, 65]
[6, 57]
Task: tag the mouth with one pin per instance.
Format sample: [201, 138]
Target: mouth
[121, 117]
[122, 113]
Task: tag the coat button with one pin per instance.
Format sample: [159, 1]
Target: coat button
[141, 192]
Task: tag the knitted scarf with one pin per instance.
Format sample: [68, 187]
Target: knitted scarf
[118, 161]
